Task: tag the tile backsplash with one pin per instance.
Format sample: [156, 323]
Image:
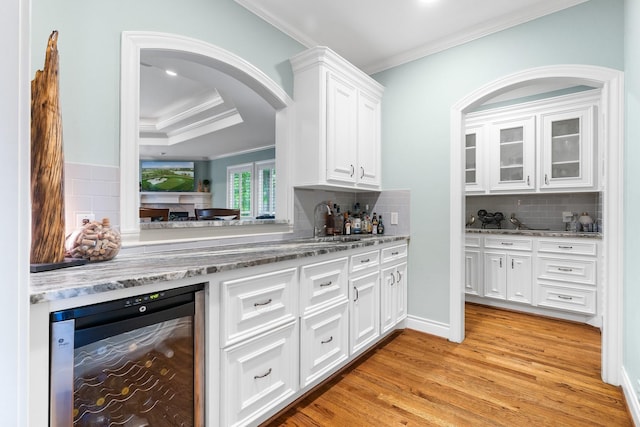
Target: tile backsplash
[91, 189]
[543, 211]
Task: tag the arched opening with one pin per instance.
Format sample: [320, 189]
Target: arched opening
[610, 82]
[133, 42]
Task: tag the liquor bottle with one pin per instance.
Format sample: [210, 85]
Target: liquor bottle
[329, 220]
[339, 225]
[374, 224]
[380, 226]
[347, 224]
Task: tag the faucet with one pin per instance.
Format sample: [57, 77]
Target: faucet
[322, 216]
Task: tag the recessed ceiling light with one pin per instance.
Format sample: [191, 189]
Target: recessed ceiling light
[171, 73]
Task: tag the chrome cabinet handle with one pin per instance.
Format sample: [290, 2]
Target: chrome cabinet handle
[257, 304]
[500, 262]
[512, 267]
[393, 279]
[322, 285]
[528, 182]
[507, 243]
[565, 297]
[565, 269]
[353, 170]
[399, 276]
[565, 247]
[361, 172]
[327, 340]
[255, 377]
[357, 294]
[394, 253]
[362, 261]
[546, 179]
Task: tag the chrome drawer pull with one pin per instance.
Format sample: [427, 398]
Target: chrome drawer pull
[357, 294]
[361, 172]
[322, 285]
[353, 170]
[364, 260]
[394, 253]
[399, 276]
[327, 341]
[255, 377]
[506, 243]
[393, 279]
[565, 247]
[256, 304]
[565, 269]
[565, 297]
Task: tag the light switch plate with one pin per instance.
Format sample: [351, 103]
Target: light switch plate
[394, 218]
[83, 217]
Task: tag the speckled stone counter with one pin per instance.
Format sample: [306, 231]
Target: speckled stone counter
[131, 270]
[534, 233]
[163, 225]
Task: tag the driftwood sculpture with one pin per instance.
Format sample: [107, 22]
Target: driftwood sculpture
[47, 163]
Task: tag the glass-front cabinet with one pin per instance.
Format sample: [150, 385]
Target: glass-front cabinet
[513, 154]
[567, 149]
[473, 170]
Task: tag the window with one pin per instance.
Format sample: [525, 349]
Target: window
[251, 187]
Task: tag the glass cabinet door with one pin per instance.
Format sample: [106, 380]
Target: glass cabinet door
[473, 169]
[470, 151]
[567, 158]
[513, 155]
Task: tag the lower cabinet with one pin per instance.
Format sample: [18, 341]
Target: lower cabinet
[324, 342]
[364, 311]
[259, 374]
[508, 276]
[472, 272]
[393, 296]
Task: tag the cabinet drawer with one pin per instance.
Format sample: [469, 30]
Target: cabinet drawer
[322, 284]
[568, 270]
[259, 374]
[571, 247]
[508, 243]
[324, 342]
[394, 253]
[472, 241]
[581, 300]
[365, 260]
[251, 305]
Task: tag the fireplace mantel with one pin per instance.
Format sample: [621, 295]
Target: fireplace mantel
[198, 199]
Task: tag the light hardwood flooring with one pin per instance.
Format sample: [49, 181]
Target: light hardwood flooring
[513, 369]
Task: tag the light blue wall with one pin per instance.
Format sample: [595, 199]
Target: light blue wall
[218, 172]
[89, 47]
[415, 121]
[632, 193]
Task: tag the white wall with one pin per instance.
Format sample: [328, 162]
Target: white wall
[14, 187]
[415, 121]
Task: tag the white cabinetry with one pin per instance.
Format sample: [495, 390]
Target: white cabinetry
[567, 275]
[324, 333]
[512, 154]
[548, 145]
[507, 269]
[473, 266]
[337, 123]
[259, 342]
[393, 289]
[567, 150]
[364, 310]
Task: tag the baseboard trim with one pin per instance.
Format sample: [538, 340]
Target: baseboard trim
[428, 326]
[630, 395]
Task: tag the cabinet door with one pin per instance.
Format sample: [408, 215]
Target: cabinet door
[519, 279]
[324, 342]
[513, 155]
[473, 170]
[364, 311]
[259, 374]
[495, 278]
[567, 150]
[472, 272]
[342, 107]
[387, 309]
[400, 301]
[368, 141]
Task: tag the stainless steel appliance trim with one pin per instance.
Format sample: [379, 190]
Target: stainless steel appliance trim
[61, 386]
[199, 360]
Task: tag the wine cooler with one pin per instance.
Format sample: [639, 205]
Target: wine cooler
[132, 362]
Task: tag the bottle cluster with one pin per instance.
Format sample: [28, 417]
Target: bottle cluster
[356, 221]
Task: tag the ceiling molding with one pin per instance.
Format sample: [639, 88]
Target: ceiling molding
[187, 112]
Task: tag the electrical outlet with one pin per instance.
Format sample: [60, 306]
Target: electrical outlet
[394, 218]
[84, 217]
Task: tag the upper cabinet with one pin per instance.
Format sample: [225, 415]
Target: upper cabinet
[541, 146]
[337, 132]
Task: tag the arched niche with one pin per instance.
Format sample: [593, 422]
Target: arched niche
[217, 58]
[612, 105]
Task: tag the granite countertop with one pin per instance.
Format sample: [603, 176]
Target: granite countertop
[130, 270]
[159, 225]
[534, 233]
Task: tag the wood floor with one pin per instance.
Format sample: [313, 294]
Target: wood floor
[512, 370]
